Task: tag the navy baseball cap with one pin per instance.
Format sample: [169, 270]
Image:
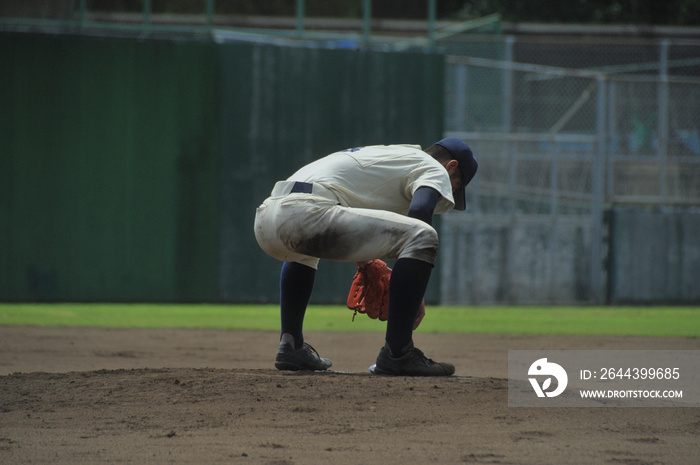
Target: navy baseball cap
[467, 164]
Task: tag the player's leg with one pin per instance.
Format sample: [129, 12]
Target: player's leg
[409, 281]
[298, 272]
[296, 285]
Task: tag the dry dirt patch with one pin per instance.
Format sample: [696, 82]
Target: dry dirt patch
[86, 395]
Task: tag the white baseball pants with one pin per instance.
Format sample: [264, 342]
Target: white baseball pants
[306, 227]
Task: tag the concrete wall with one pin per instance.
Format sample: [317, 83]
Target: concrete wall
[520, 260]
[654, 256]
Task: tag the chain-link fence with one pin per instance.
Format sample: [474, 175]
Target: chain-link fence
[654, 151]
[557, 147]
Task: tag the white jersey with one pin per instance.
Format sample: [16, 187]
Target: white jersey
[380, 177]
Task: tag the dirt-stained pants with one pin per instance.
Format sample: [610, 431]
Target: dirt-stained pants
[306, 227]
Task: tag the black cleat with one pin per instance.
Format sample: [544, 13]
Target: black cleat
[412, 363]
[304, 358]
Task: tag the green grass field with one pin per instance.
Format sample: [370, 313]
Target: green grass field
[622, 321]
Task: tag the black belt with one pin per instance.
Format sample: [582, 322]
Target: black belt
[302, 187]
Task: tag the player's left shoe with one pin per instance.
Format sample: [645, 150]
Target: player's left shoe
[303, 358]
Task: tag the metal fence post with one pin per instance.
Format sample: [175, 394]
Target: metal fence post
[663, 118]
[432, 8]
[300, 18]
[612, 118]
[512, 154]
[367, 21]
[597, 191]
[210, 13]
[82, 14]
[460, 105]
[147, 16]
[508, 86]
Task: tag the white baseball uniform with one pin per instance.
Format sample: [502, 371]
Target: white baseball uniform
[355, 208]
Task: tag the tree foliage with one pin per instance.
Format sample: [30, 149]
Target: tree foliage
[643, 12]
[649, 12]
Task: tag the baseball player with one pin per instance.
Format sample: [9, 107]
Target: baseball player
[357, 205]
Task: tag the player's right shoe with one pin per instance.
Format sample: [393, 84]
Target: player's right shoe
[303, 358]
[412, 363]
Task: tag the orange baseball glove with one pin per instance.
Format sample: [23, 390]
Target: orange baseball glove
[369, 292]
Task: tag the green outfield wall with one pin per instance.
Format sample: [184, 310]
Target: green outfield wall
[289, 106]
[130, 169]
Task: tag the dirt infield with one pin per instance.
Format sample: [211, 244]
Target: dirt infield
[86, 395]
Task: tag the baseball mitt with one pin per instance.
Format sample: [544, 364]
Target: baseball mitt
[369, 291]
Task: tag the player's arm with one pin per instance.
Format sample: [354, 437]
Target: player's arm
[423, 204]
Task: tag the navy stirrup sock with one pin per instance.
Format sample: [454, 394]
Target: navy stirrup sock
[296, 284]
[409, 280]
